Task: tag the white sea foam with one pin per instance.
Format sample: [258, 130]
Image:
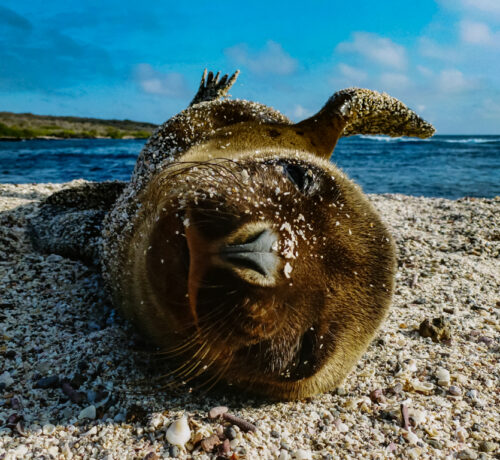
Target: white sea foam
[474, 140]
[391, 139]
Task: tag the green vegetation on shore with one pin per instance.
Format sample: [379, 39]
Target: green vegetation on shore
[16, 126]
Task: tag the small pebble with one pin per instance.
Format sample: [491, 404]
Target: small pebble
[284, 455]
[209, 443]
[274, 434]
[485, 340]
[20, 451]
[461, 434]
[74, 396]
[467, 454]
[437, 329]
[341, 391]
[89, 412]
[285, 445]
[411, 437]
[151, 456]
[396, 389]
[6, 379]
[302, 454]
[341, 426]
[435, 443]
[91, 432]
[454, 390]
[156, 421]
[173, 451]
[487, 446]
[48, 429]
[120, 417]
[377, 396]
[217, 411]
[234, 443]
[51, 381]
[443, 376]
[230, 432]
[472, 394]
[225, 448]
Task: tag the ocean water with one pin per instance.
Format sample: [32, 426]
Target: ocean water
[443, 166]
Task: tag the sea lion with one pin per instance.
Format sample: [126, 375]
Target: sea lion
[240, 249]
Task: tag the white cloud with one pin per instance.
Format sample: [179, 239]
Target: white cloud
[488, 10]
[271, 60]
[453, 81]
[478, 33]
[165, 84]
[490, 109]
[425, 71]
[485, 6]
[378, 49]
[299, 112]
[394, 81]
[355, 75]
[430, 48]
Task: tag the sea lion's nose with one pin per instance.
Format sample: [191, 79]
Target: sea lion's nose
[257, 253]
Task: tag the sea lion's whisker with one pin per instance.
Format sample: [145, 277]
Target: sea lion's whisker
[174, 351]
[216, 377]
[186, 363]
[196, 363]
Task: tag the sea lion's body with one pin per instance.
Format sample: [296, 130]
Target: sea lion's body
[240, 249]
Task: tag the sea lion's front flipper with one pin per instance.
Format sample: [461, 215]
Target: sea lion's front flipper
[211, 88]
[69, 222]
[362, 111]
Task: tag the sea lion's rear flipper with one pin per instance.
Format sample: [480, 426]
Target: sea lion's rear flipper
[362, 111]
[211, 88]
[69, 222]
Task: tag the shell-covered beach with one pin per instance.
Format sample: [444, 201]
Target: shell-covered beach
[76, 381]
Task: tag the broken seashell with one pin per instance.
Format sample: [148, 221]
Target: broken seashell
[178, 433]
[422, 387]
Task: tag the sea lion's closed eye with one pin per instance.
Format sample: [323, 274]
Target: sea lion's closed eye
[301, 176]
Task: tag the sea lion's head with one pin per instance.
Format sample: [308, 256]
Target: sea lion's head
[269, 270]
[260, 262]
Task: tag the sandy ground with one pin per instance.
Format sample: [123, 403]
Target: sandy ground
[75, 381]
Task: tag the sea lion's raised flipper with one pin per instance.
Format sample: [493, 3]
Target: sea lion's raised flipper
[69, 222]
[211, 88]
[362, 111]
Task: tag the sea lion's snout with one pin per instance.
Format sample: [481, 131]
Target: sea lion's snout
[254, 258]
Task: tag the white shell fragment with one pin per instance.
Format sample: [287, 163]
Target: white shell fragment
[443, 376]
[422, 387]
[88, 412]
[178, 433]
[48, 429]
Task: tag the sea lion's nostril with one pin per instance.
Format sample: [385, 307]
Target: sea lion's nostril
[256, 253]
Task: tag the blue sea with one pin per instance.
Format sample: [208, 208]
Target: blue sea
[443, 166]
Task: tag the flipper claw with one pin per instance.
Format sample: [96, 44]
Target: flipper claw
[211, 88]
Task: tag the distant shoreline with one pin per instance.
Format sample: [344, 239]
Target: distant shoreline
[27, 126]
[55, 138]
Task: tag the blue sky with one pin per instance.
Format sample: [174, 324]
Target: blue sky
[143, 60]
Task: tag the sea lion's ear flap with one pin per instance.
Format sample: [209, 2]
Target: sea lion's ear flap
[361, 111]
